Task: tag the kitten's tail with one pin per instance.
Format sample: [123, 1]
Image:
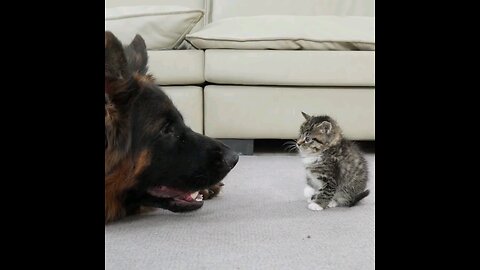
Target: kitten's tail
[359, 197]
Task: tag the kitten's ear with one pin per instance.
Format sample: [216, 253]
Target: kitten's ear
[325, 127]
[306, 116]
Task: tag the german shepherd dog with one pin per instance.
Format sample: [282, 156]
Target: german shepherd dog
[152, 159]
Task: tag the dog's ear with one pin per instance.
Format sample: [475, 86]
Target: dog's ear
[116, 68]
[137, 56]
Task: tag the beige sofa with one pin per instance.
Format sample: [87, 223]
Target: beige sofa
[259, 94]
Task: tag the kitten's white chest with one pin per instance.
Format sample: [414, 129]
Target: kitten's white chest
[309, 160]
[314, 181]
[308, 192]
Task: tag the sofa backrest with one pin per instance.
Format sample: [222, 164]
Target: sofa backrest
[185, 3]
[219, 9]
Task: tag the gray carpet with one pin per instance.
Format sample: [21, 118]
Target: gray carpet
[261, 221]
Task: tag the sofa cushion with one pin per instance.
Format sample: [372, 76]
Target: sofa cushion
[177, 67]
[194, 4]
[162, 27]
[255, 112]
[297, 68]
[221, 9]
[283, 32]
[189, 101]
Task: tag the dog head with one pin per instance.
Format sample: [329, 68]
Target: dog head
[149, 151]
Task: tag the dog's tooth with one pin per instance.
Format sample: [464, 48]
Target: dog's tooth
[199, 198]
[194, 195]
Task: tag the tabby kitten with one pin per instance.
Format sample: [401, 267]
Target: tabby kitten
[337, 173]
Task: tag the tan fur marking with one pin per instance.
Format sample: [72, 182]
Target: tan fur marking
[143, 79]
[123, 177]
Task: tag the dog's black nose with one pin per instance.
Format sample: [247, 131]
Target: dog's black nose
[230, 158]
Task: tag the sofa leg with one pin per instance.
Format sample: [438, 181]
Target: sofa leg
[243, 147]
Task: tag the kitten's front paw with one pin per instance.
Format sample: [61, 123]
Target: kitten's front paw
[314, 207]
[332, 204]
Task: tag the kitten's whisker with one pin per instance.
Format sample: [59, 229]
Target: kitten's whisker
[289, 143]
[291, 148]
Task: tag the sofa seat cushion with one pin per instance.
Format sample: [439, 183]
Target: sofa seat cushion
[296, 68]
[287, 32]
[177, 67]
[256, 112]
[189, 101]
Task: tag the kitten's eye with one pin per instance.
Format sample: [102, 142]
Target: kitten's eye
[308, 139]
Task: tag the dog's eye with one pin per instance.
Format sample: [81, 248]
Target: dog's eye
[167, 128]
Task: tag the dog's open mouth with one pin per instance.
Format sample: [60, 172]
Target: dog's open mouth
[179, 201]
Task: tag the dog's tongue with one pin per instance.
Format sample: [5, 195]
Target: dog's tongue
[164, 192]
[174, 200]
[189, 202]
[192, 196]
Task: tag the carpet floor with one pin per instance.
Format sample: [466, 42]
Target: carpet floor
[259, 221]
